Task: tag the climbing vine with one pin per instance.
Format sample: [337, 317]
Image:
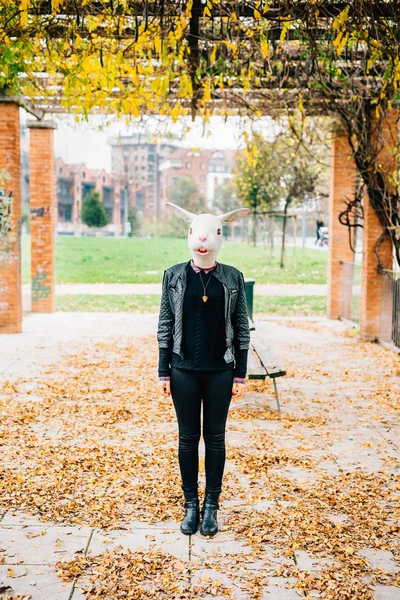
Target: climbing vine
[202, 57]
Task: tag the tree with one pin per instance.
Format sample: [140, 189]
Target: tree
[93, 212]
[133, 219]
[299, 183]
[185, 193]
[225, 198]
[276, 174]
[257, 178]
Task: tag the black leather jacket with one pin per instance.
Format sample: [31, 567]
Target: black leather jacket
[171, 308]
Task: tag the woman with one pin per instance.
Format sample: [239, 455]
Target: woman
[203, 337]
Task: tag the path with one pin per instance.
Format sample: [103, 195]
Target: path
[121, 289]
[311, 498]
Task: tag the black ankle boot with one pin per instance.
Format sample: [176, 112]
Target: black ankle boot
[209, 524]
[191, 519]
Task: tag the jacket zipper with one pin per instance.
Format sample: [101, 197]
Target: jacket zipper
[227, 298]
[181, 308]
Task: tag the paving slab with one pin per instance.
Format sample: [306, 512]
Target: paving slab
[380, 559]
[33, 545]
[77, 594]
[386, 592]
[171, 542]
[277, 590]
[306, 562]
[224, 543]
[18, 518]
[296, 473]
[204, 576]
[37, 582]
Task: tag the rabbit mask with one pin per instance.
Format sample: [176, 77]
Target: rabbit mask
[205, 233]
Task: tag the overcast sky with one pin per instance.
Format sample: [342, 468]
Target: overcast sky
[87, 141]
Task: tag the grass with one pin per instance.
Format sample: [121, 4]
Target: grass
[279, 305]
[111, 303]
[139, 260]
[290, 305]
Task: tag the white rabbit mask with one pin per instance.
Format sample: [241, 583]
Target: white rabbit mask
[205, 232]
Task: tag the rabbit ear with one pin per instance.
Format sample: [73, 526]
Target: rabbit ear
[238, 213]
[181, 212]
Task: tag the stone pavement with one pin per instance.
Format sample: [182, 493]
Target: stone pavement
[311, 500]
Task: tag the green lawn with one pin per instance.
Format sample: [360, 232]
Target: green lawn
[136, 260]
[282, 305]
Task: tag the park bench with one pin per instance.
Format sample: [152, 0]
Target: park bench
[261, 363]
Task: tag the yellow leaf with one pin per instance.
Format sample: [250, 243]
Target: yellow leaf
[158, 44]
[265, 48]
[213, 55]
[24, 6]
[189, 7]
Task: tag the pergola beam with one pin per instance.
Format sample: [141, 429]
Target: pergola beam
[172, 8]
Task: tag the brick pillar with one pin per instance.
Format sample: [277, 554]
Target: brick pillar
[342, 187]
[10, 218]
[43, 215]
[370, 307]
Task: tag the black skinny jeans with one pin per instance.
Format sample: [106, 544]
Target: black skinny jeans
[188, 389]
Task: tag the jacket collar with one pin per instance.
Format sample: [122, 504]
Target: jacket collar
[218, 271]
[198, 269]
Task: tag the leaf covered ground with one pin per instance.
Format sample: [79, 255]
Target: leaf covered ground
[311, 497]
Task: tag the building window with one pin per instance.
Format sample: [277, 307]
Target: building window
[139, 200]
[201, 190]
[203, 165]
[202, 177]
[83, 174]
[68, 214]
[188, 165]
[174, 180]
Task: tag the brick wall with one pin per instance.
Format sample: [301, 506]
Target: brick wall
[370, 308]
[10, 241]
[342, 186]
[43, 213]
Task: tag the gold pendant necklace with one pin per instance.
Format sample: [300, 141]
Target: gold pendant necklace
[204, 297]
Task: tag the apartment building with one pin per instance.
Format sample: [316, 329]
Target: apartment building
[137, 158]
[207, 169]
[73, 184]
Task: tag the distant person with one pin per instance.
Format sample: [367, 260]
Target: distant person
[320, 224]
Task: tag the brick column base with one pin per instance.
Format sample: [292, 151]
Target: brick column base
[43, 215]
[10, 219]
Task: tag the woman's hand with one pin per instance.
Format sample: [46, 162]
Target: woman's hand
[238, 389]
[165, 388]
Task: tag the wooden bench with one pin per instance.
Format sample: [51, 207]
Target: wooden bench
[262, 362]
